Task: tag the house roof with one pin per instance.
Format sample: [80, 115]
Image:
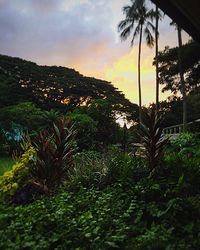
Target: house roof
[186, 13]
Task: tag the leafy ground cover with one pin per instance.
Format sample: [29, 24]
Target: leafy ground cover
[5, 164]
[125, 208]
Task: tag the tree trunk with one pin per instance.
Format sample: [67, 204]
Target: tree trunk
[157, 77]
[139, 81]
[182, 79]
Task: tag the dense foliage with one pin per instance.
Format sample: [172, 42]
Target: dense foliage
[173, 109]
[32, 97]
[118, 206]
[55, 87]
[169, 68]
[103, 195]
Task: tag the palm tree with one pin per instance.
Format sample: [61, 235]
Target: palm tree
[157, 77]
[139, 20]
[158, 17]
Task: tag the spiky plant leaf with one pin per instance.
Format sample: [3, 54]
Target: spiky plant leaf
[152, 138]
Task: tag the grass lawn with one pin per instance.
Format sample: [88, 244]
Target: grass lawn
[5, 164]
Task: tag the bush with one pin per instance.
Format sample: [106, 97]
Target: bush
[26, 115]
[186, 145]
[86, 129]
[124, 167]
[90, 168]
[6, 164]
[17, 176]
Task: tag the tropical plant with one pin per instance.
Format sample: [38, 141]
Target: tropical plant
[139, 14]
[53, 160]
[186, 146]
[6, 164]
[152, 138]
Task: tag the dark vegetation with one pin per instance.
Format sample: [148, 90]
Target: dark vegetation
[170, 80]
[77, 182]
[32, 97]
[112, 201]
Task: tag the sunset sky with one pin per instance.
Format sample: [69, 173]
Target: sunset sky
[80, 34]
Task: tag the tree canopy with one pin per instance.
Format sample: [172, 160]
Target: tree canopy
[169, 69]
[52, 87]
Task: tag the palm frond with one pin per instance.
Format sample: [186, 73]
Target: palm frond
[150, 15]
[149, 37]
[123, 24]
[126, 32]
[151, 26]
[126, 9]
[135, 34]
[137, 15]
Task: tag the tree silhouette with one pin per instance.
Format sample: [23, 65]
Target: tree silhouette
[138, 19]
[158, 17]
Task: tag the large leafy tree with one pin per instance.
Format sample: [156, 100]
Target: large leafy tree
[173, 109]
[179, 70]
[10, 92]
[169, 68]
[138, 19]
[86, 129]
[59, 88]
[102, 112]
[24, 114]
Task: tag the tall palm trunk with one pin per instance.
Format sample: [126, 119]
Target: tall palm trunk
[157, 77]
[139, 80]
[182, 79]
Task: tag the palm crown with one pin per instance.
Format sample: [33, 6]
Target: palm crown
[137, 16]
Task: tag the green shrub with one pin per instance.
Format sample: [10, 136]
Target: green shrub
[125, 167]
[17, 176]
[186, 145]
[183, 172]
[89, 168]
[92, 168]
[86, 129]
